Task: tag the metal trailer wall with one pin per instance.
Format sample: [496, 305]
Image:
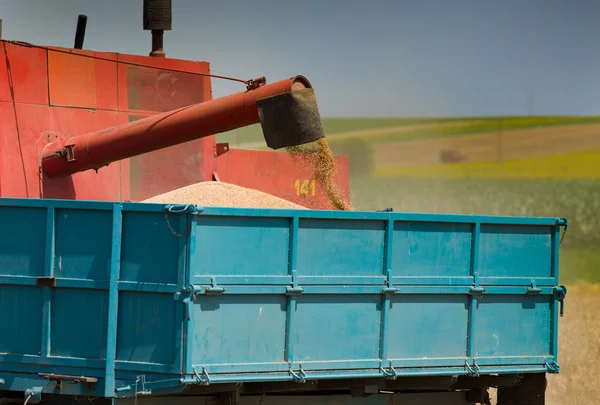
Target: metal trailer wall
[144, 298]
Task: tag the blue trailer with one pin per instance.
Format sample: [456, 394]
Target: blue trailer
[167, 304]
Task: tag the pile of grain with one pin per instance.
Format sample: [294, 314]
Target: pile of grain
[218, 194]
[317, 159]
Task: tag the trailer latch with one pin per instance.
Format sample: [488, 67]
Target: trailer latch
[560, 293]
[552, 367]
[300, 376]
[472, 371]
[391, 375]
[183, 209]
[213, 288]
[476, 290]
[294, 288]
[203, 378]
[533, 289]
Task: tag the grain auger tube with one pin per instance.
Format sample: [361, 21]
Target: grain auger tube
[287, 111]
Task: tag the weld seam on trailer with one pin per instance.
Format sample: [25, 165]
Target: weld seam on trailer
[291, 299]
[472, 316]
[188, 307]
[387, 288]
[113, 301]
[185, 222]
[49, 273]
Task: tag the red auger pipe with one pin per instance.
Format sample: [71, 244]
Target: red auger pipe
[97, 149]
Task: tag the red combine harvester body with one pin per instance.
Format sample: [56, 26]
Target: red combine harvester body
[48, 94]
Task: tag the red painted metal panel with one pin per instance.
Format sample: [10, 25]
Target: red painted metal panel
[29, 73]
[107, 95]
[82, 79]
[4, 82]
[109, 183]
[12, 172]
[72, 79]
[277, 174]
[146, 90]
[19, 172]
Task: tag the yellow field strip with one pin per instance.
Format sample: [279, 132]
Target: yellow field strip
[573, 165]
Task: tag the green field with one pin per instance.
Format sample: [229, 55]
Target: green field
[337, 127]
[579, 201]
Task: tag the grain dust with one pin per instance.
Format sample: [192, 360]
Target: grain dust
[219, 194]
[317, 158]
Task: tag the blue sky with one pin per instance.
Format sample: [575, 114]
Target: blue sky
[364, 58]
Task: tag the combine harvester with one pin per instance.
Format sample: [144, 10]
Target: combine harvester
[106, 298]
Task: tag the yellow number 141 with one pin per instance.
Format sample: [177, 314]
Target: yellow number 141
[304, 187]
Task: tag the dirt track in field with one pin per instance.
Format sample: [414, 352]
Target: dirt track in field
[579, 349]
[486, 146]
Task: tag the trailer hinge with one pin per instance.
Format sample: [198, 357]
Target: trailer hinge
[560, 293]
[294, 289]
[476, 290]
[141, 380]
[552, 366]
[186, 296]
[472, 371]
[533, 289]
[300, 376]
[389, 284]
[33, 395]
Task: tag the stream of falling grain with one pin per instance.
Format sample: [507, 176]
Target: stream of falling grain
[317, 158]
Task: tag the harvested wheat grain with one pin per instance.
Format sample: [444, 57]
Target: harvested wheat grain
[219, 194]
[317, 158]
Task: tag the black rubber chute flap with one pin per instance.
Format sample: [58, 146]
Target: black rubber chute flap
[290, 119]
